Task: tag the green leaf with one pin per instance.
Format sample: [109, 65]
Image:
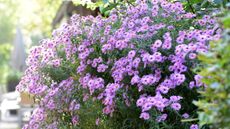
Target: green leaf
[217, 1]
[226, 22]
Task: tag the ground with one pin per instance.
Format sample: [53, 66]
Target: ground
[9, 125]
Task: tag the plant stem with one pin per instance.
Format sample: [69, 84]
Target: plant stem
[190, 6]
[189, 120]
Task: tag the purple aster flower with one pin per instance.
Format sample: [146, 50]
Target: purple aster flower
[136, 62]
[176, 106]
[185, 115]
[146, 107]
[75, 120]
[163, 89]
[161, 118]
[198, 80]
[151, 58]
[191, 84]
[157, 43]
[131, 54]
[171, 27]
[140, 101]
[194, 126]
[135, 79]
[175, 98]
[101, 68]
[81, 48]
[145, 115]
[97, 121]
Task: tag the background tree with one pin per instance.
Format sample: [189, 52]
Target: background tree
[34, 19]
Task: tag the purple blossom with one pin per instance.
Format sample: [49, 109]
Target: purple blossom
[185, 115]
[175, 98]
[161, 118]
[194, 126]
[145, 115]
[176, 106]
[131, 54]
[75, 120]
[97, 121]
[101, 68]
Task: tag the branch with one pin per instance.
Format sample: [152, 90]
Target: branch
[130, 3]
[189, 120]
[190, 6]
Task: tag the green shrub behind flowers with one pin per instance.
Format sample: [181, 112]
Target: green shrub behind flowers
[131, 70]
[215, 102]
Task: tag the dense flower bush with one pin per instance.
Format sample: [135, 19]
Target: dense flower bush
[135, 66]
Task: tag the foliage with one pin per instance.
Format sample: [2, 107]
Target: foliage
[4, 57]
[7, 21]
[12, 80]
[200, 7]
[105, 6]
[30, 16]
[41, 16]
[13, 77]
[215, 102]
[4, 53]
[130, 70]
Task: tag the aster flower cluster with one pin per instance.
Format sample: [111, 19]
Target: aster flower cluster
[145, 52]
[55, 101]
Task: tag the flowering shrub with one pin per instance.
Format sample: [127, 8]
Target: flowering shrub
[136, 66]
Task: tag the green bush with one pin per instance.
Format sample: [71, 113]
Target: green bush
[215, 104]
[12, 81]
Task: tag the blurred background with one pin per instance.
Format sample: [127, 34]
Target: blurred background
[23, 23]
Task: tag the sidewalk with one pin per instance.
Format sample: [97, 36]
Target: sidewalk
[9, 125]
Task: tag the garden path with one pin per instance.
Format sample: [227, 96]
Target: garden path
[9, 125]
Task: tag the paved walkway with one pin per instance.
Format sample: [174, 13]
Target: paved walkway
[9, 125]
